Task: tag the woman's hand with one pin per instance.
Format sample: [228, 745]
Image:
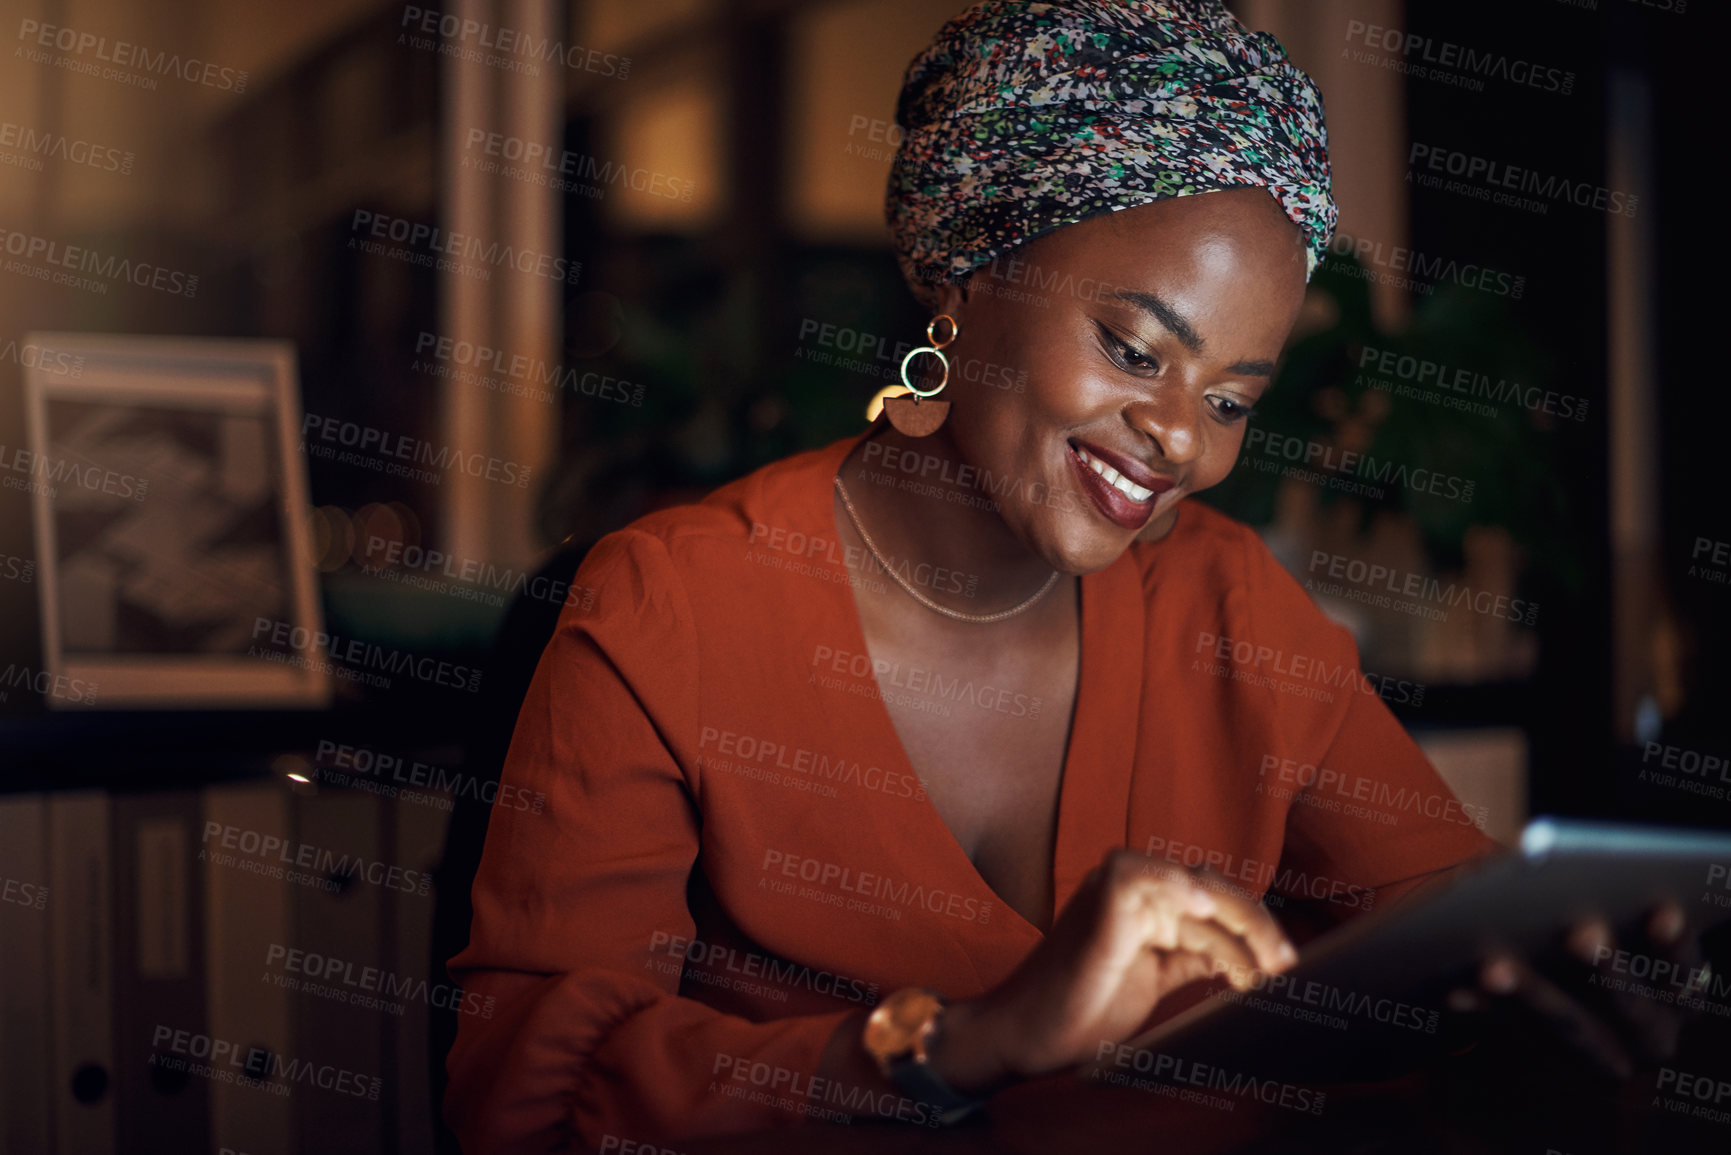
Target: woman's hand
[1595, 1005]
[1135, 930]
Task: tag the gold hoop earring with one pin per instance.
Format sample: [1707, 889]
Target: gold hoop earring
[914, 413]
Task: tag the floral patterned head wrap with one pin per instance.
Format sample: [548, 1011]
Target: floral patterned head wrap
[1025, 117]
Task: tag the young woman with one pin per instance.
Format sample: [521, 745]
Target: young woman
[985, 727]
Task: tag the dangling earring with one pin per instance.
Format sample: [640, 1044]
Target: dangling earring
[912, 413]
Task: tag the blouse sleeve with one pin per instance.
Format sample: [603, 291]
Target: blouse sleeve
[1370, 819]
[1339, 828]
[592, 841]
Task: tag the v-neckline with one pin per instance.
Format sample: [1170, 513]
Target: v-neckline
[1094, 790]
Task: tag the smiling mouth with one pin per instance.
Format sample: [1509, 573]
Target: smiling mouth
[1137, 493]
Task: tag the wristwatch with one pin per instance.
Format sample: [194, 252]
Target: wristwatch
[899, 1035]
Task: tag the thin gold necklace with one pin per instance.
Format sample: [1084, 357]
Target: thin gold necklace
[981, 619]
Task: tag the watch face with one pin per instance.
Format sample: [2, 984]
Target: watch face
[900, 1023]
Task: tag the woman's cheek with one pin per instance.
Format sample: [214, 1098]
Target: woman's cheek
[1068, 398]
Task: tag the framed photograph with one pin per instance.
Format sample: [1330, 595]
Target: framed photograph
[170, 500]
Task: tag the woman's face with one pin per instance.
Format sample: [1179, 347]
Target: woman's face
[1134, 342]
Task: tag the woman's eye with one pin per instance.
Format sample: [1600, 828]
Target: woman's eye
[1229, 410]
[1125, 356]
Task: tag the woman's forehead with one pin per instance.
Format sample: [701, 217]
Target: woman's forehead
[1226, 232]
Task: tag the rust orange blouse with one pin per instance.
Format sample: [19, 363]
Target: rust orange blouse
[734, 853]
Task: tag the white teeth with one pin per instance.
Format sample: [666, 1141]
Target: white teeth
[1117, 480]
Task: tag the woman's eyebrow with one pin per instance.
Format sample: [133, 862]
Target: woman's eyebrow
[1182, 329]
[1252, 368]
[1166, 315]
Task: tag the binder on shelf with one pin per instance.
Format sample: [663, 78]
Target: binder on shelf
[81, 972]
[26, 1028]
[247, 910]
[159, 969]
[339, 1016]
[420, 842]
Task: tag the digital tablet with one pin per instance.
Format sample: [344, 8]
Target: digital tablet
[1365, 1002]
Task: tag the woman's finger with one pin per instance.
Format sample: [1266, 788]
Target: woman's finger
[1162, 882]
[1226, 954]
[1251, 922]
[1667, 923]
[1181, 968]
[1590, 940]
[1163, 896]
[1159, 901]
[1511, 983]
[1644, 1014]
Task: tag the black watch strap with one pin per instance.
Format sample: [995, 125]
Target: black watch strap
[918, 1082]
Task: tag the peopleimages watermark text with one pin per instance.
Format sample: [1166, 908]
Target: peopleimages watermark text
[371, 228]
[230, 1062]
[124, 57]
[500, 45]
[322, 864]
[362, 655]
[518, 374]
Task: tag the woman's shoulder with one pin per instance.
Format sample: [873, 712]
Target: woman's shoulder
[788, 493]
[783, 506]
[1205, 541]
[1212, 558]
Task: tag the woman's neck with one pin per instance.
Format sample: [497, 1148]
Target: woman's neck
[922, 505]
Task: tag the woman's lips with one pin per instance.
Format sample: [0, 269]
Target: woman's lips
[1128, 510]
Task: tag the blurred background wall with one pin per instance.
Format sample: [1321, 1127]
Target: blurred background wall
[710, 291]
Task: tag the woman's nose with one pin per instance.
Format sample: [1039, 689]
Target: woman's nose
[1172, 420]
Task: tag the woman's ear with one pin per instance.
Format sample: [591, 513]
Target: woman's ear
[950, 298]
